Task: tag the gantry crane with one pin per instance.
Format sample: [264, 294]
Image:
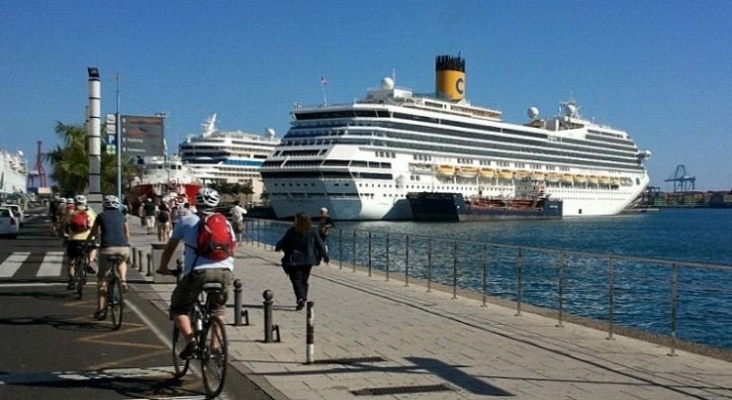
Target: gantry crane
[682, 181]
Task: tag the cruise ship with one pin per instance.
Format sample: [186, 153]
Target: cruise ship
[227, 156]
[13, 174]
[361, 159]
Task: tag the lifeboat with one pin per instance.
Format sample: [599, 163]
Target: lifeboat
[521, 175]
[467, 172]
[605, 180]
[553, 178]
[579, 178]
[538, 176]
[593, 179]
[567, 178]
[505, 174]
[446, 170]
[487, 173]
[615, 181]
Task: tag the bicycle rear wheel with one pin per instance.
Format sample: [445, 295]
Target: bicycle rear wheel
[79, 277]
[179, 343]
[215, 357]
[115, 302]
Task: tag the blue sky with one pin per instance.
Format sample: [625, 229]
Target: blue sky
[660, 70]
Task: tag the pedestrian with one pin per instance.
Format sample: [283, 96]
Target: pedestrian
[237, 217]
[204, 262]
[324, 226]
[111, 228]
[163, 222]
[149, 209]
[301, 244]
[77, 227]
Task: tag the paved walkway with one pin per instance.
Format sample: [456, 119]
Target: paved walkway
[411, 341]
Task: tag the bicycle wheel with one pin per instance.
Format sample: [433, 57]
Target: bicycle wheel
[115, 302]
[214, 358]
[179, 343]
[79, 277]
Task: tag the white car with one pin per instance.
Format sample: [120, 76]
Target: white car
[17, 211]
[9, 224]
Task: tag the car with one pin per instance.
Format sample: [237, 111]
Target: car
[9, 224]
[17, 212]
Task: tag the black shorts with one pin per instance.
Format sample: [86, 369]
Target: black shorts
[75, 248]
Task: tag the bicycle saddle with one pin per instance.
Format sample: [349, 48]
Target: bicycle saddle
[212, 286]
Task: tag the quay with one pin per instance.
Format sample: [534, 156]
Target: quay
[383, 339]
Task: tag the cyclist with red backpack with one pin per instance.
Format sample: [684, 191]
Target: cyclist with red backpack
[209, 257]
[77, 227]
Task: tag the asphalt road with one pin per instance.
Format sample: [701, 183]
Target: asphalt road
[52, 348]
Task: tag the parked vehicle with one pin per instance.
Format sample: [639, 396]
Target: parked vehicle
[9, 223]
[17, 212]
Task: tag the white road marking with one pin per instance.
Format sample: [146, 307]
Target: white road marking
[52, 264]
[11, 264]
[112, 373]
[29, 284]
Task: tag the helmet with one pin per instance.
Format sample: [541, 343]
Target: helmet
[111, 201]
[69, 200]
[207, 198]
[80, 199]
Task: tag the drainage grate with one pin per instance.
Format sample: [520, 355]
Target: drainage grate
[402, 390]
[353, 360]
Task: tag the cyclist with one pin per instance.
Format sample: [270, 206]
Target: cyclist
[197, 270]
[111, 227]
[77, 227]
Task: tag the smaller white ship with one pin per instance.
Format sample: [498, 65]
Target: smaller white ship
[162, 176]
[232, 157]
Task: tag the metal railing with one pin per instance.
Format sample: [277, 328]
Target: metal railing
[672, 298]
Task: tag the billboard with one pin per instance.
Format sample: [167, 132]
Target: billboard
[142, 136]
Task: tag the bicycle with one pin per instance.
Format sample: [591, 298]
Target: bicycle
[210, 334]
[115, 297]
[81, 264]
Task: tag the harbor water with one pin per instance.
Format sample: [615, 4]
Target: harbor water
[604, 268]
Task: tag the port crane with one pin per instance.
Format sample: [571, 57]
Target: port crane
[682, 181]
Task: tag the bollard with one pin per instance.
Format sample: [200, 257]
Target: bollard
[237, 303]
[134, 258]
[149, 264]
[139, 259]
[268, 295]
[310, 334]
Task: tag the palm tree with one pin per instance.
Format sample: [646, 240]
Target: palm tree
[70, 162]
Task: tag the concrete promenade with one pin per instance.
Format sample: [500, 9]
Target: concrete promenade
[410, 341]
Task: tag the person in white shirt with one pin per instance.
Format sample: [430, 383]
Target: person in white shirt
[237, 218]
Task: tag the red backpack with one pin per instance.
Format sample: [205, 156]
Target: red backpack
[215, 240]
[79, 221]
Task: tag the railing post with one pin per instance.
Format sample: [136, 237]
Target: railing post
[674, 307]
[454, 269]
[560, 288]
[519, 280]
[259, 232]
[340, 248]
[370, 260]
[429, 265]
[485, 274]
[387, 257]
[611, 298]
[354, 251]
[406, 262]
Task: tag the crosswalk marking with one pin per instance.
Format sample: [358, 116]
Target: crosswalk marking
[12, 264]
[52, 264]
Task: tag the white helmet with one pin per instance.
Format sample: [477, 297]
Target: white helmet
[69, 200]
[111, 201]
[207, 198]
[80, 200]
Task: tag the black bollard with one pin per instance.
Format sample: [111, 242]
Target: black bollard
[268, 295]
[149, 265]
[139, 259]
[310, 334]
[237, 301]
[134, 258]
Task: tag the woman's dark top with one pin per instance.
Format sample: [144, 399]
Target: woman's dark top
[305, 246]
[112, 222]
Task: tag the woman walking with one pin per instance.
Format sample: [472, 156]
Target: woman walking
[302, 246]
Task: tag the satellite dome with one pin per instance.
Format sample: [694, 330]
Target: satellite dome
[571, 110]
[269, 132]
[387, 83]
[532, 112]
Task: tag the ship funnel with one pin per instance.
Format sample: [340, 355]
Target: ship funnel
[450, 77]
